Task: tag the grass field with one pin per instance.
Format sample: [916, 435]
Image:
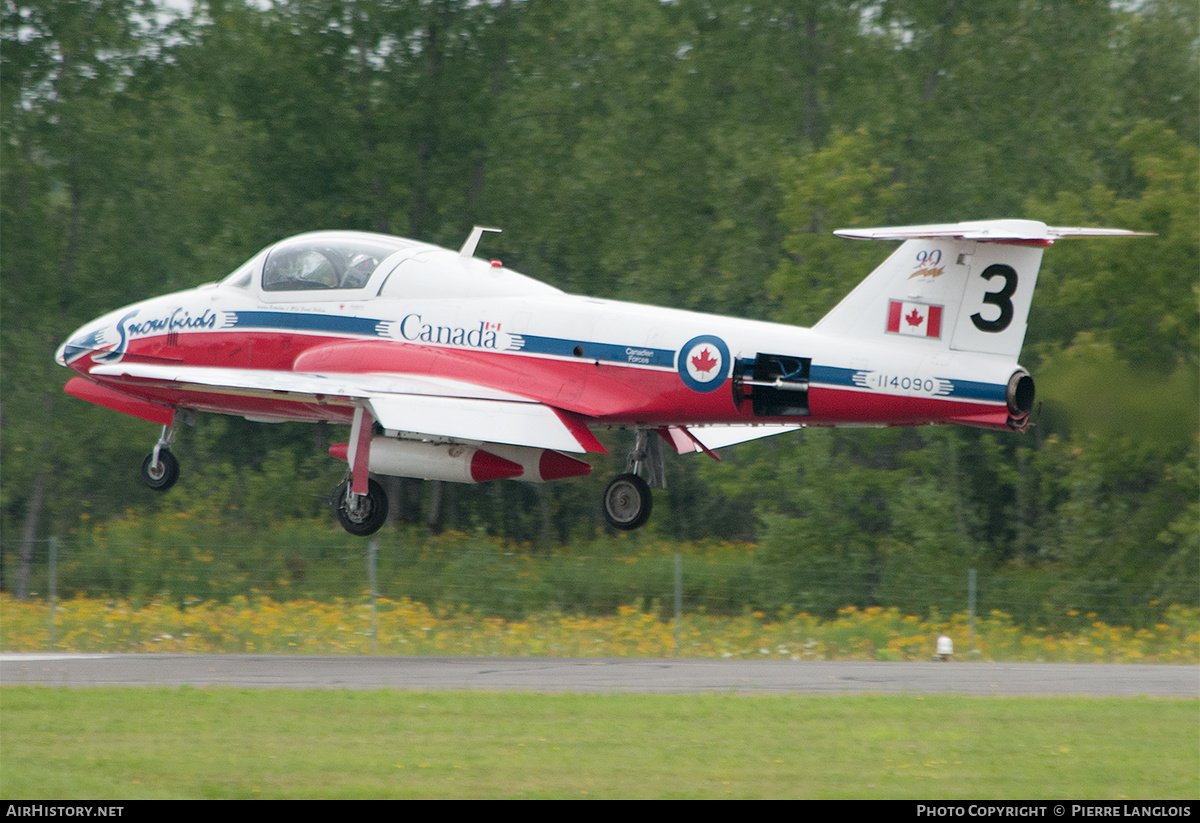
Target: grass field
[224, 743]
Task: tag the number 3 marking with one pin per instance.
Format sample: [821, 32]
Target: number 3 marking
[998, 298]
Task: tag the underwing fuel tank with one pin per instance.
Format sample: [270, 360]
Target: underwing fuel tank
[458, 463]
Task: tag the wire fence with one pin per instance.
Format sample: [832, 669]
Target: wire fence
[481, 575]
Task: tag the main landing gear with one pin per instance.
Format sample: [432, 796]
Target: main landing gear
[362, 514]
[627, 502]
[361, 505]
[160, 469]
[627, 499]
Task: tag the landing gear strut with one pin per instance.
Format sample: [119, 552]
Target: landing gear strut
[627, 499]
[361, 504]
[160, 469]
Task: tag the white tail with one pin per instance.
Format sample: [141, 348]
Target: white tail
[963, 286]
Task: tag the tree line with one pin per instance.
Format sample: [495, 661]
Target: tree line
[694, 153]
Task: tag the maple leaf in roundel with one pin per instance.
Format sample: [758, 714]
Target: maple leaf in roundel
[703, 362]
[914, 318]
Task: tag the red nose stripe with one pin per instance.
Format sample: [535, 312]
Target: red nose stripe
[486, 466]
[555, 466]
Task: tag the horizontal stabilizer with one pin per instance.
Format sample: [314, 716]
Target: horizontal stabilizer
[995, 231]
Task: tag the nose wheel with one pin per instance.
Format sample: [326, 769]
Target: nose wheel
[627, 502]
[160, 475]
[160, 469]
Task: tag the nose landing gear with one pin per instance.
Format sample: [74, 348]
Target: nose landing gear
[160, 469]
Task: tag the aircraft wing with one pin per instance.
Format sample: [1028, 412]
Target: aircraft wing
[413, 404]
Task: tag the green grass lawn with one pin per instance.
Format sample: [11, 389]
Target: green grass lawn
[123, 743]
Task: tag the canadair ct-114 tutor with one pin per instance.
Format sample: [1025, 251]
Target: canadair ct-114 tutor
[450, 367]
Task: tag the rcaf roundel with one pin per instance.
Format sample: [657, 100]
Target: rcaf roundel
[914, 319]
[703, 363]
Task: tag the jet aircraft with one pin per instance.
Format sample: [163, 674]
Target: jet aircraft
[451, 367]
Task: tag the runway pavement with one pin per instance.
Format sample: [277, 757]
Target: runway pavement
[538, 674]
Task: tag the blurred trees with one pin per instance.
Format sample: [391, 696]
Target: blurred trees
[694, 153]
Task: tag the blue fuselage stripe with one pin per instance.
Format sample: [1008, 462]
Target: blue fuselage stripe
[288, 321]
[971, 390]
[560, 347]
[962, 389]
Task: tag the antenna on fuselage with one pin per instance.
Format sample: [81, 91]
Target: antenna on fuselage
[468, 248]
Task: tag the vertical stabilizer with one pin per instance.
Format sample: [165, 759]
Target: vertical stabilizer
[960, 286]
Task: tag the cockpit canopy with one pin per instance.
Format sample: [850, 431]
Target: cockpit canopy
[348, 265]
[326, 261]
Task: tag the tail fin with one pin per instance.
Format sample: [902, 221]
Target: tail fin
[962, 286]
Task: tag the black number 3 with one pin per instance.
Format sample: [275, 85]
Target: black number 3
[998, 298]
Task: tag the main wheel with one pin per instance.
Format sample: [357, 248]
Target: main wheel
[370, 515]
[627, 502]
[162, 476]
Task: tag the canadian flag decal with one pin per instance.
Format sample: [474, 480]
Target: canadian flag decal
[914, 319]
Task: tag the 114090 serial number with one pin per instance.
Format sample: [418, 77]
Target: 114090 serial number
[897, 382]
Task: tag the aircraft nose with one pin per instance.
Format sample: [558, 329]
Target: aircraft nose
[82, 341]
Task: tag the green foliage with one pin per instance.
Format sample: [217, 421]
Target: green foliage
[822, 548]
[1141, 298]
[182, 558]
[840, 186]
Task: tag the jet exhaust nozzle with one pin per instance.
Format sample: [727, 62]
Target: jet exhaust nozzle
[1019, 395]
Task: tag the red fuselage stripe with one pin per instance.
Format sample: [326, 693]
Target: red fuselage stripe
[602, 393]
